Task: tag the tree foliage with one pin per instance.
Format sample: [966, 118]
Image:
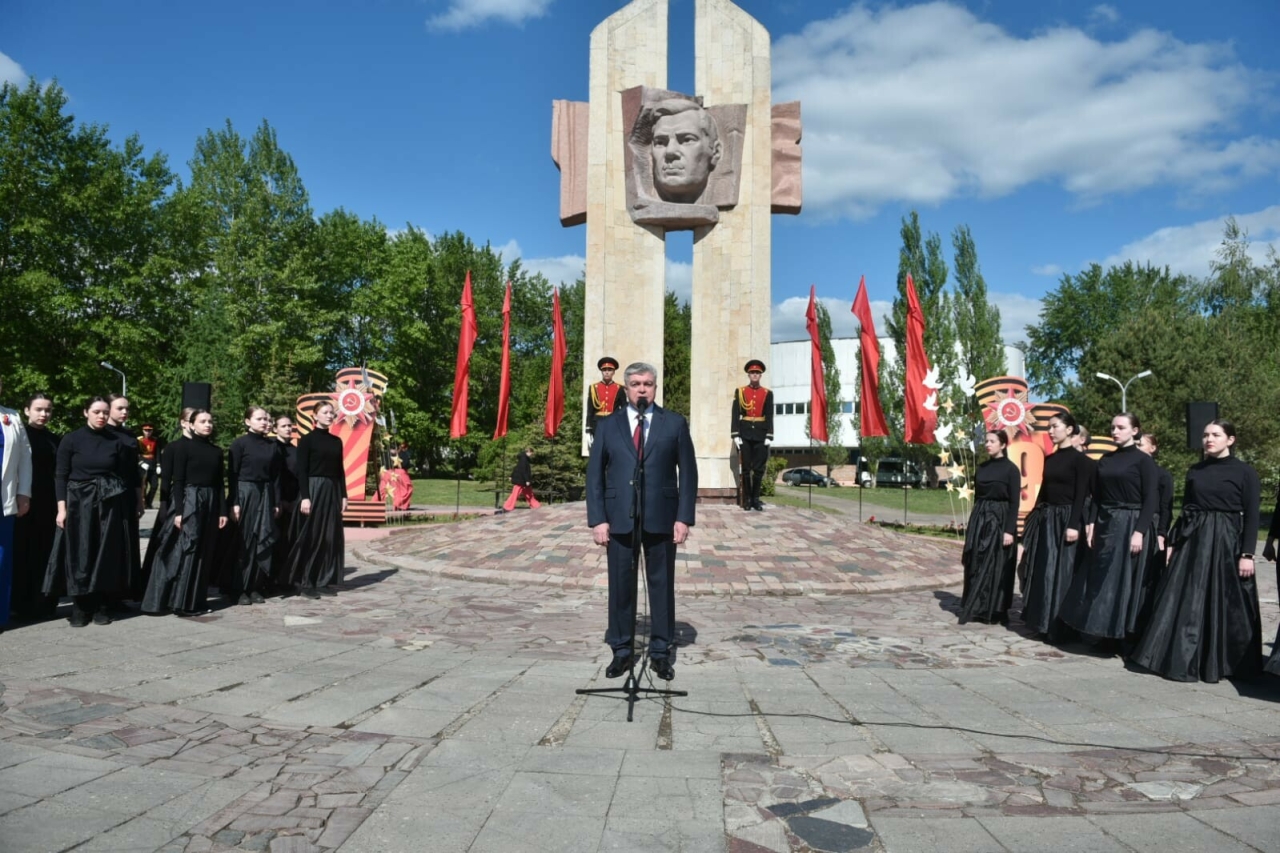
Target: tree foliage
[977, 321]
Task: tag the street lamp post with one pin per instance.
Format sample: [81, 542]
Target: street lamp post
[1124, 387]
[124, 383]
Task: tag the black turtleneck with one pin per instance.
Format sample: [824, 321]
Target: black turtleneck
[132, 475]
[1127, 477]
[1000, 480]
[319, 455]
[1227, 485]
[88, 454]
[1066, 482]
[288, 472]
[44, 464]
[197, 462]
[253, 459]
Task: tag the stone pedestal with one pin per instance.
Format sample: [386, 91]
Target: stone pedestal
[626, 263]
[731, 260]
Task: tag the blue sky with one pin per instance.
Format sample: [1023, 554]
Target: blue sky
[1061, 132]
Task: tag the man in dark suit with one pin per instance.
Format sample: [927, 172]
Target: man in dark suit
[661, 439]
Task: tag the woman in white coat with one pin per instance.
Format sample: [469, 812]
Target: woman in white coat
[15, 495]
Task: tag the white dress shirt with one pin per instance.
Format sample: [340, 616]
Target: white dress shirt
[632, 415]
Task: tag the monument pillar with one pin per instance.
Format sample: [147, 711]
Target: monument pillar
[731, 260]
[626, 263]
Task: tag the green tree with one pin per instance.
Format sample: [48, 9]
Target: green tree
[833, 452]
[977, 321]
[677, 354]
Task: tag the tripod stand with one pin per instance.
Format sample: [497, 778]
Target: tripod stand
[631, 688]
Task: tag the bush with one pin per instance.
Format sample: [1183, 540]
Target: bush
[771, 471]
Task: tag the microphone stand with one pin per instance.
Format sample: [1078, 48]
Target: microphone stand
[631, 685]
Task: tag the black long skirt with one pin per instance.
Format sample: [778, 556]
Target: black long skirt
[137, 583]
[1048, 566]
[33, 536]
[180, 575]
[91, 551]
[159, 540]
[1104, 599]
[315, 560]
[988, 565]
[1205, 623]
[286, 534]
[255, 537]
[1153, 568]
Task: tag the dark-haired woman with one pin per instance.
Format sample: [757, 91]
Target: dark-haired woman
[33, 534]
[1157, 539]
[287, 520]
[180, 579]
[117, 422]
[254, 467]
[1205, 623]
[164, 536]
[315, 562]
[989, 550]
[1103, 599]
[1054, 530]
[91, 554]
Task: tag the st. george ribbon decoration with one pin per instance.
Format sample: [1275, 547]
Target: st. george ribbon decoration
[358, 394]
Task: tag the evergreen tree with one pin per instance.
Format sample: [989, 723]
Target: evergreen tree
[977, 322]
[677, 354]
[834, 452]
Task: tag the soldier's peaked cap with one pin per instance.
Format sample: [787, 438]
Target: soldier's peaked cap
[608, 362]
[754, 364]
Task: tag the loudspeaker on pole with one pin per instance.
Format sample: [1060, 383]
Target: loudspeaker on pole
[1198, 416]
[197, 395]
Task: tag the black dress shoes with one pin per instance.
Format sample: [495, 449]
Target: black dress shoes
[662, 668]
[619, 665]
[757, 506]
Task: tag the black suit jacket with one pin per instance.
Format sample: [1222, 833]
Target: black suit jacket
[670, 467]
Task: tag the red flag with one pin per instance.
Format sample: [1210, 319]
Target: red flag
[871, 424]
[920, 419]
[817, 380]
[555, 391]
[462, 371]
[504, 386]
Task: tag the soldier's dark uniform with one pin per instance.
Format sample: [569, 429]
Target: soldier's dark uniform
[752, 422]
[604, 398]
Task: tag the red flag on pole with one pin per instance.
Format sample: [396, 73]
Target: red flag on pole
[555, 391]
[462, 370]
[817, 380]
[871, 423]
[504, 385]
[920, 418]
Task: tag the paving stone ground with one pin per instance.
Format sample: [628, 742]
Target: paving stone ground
[420, 711]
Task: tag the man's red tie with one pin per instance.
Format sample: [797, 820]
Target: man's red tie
[638, 436]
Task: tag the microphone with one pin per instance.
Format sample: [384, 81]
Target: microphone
[641, 404]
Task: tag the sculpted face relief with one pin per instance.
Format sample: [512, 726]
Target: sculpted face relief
[685, 151]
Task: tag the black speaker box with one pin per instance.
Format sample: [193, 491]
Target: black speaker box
[197, 395]
[1198, 416]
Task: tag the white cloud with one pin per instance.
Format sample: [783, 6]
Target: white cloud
[680, 279]
[11, 71]
[464, 14]
[1016, 313]
[1104, 14]
[1191, 249]
[925, 103]
[1051, 270]
[789, 321]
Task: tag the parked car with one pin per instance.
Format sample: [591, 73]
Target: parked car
[807, 477]
[898, 472]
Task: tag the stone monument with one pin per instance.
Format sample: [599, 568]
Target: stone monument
[638, 160]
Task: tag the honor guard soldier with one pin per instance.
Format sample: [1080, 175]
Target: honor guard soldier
[604, 397]
[149, 447]
[752, 431]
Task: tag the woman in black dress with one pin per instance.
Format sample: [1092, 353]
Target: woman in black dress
[989, 550]
[315, 561]
[287, 520]
[34, 532]
[117, 420]
[1157, 539]
[1103, 599]
[1205, 623]
[91, 555]
[164, 536]
[180, 578]
[1052, 535]
[1269, 551]
[253, 479]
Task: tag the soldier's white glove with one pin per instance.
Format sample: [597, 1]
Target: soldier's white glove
[768, 441]
[737, 442]
[591, 439]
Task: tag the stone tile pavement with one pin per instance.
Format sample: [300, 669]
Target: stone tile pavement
[422, 712]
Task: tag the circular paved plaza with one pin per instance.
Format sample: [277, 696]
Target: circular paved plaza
[425, 710]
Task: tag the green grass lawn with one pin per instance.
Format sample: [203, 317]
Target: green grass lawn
[798, 499]
[445, 493]
[923, 501]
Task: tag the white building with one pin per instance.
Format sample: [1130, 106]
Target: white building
[788, 375]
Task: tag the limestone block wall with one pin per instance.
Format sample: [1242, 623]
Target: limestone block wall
[626, 263]
[731, 261]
